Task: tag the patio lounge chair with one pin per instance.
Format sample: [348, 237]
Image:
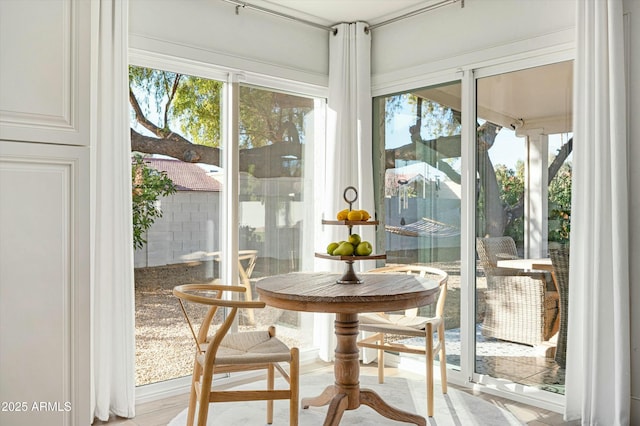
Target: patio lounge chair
[519, 306]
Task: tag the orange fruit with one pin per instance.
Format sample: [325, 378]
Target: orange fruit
[354, 215]
[342, 214]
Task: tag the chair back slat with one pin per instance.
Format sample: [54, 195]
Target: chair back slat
[422, 271]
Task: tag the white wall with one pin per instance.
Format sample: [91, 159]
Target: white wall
[211, 32]
[483, 32]
[443, 35]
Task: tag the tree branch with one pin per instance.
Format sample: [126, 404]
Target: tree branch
[172, 94]
[263, 162]
[175, 146]
[140, 117]
[557, 163]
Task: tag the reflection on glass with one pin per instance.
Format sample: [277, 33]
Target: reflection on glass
[276, 143]
[523, 203]
[420, 132]
[559, 225]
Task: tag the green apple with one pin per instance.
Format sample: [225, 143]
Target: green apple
[364, 248]
[344, 249]
[331, 247]
[355, 239]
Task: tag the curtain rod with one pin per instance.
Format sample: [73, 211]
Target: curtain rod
[334, 31]
[240, 4]
[417, 12]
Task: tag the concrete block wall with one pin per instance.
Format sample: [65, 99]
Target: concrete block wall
[188, 228]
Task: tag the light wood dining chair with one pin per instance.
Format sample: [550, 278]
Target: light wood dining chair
[220, 351]
[388, 327]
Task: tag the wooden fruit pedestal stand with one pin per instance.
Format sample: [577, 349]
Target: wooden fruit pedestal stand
[350, 276]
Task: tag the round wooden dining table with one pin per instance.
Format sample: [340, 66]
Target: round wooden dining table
[320, 292]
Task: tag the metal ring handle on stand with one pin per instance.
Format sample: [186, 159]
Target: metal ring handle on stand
[355, 196]
[350, 201]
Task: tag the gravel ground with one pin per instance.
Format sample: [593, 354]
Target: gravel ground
[164, 346]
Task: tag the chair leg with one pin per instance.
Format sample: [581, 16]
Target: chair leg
[380, 358]
[205, 391]
[443, 358]
[270, 384]
[193, 395]
[429, 366]
[294, 386]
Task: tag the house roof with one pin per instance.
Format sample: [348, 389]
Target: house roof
[186, 176]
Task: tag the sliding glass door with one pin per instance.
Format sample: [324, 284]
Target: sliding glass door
[184, 148]
[522, 211]
[476, 172]
[419, 188]
[177, 205]
[275, 231]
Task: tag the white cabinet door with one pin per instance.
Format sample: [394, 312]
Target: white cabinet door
[45, 66]
[44, 284]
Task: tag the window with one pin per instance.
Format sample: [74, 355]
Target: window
[521, 189]
[523, 158]
[178, 131]
[420, 133]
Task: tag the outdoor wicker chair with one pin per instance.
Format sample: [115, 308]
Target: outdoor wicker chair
[560, 261]
[410, 325]
[226, 352]
[519, 306]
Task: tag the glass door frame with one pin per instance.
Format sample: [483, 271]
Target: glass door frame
[462, 375]
[230, 118]
[499, 387]
[467, 75]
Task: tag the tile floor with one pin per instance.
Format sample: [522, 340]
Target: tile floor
[531, 371]
[521, 364]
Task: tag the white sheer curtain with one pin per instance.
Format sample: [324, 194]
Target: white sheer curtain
[113, 339]
[598, 357]
[348, 151]
[349, 120]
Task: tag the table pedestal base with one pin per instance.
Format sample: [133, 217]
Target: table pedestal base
[338, 403]
[346, 394]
